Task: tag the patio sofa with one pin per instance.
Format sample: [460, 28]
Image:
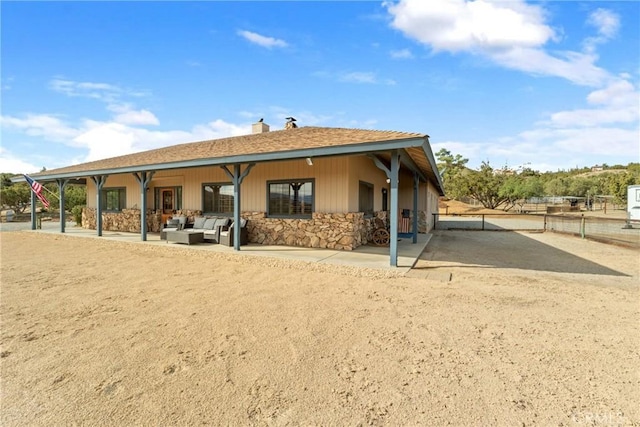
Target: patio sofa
[210, 227]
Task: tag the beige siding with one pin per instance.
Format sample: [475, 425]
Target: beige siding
[124, 180]
[336, 184]
[330, 175]
[364, 169]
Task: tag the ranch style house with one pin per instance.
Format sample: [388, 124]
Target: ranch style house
[303, 186]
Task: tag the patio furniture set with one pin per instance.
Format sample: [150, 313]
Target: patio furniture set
[203, 230]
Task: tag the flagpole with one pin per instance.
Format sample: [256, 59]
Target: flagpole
[51, 192]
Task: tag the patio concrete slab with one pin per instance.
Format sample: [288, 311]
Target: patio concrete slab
[364, 256]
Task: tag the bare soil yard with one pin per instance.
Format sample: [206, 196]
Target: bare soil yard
[532, 329]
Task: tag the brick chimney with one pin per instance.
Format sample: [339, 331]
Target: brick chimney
[259, 127]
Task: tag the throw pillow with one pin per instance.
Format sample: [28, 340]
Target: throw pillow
[199, 222]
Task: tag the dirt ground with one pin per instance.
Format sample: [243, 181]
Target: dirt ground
[494, 328]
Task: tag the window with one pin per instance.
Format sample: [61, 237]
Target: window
[113, 199]
[290, 198]
[365, 196]
[217, 198]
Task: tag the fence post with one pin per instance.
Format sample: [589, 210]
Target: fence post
[482, 222]
[582, 227]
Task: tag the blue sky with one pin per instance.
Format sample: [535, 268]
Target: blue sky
[550, 85]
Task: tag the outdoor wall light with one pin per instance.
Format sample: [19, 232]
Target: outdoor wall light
[309, 161]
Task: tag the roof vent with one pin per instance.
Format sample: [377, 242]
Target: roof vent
[290, 123]
[259, 127]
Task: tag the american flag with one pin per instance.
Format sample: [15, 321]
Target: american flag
[37, 188]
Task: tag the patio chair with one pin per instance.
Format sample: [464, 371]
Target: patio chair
[173, 224]
[227, 234]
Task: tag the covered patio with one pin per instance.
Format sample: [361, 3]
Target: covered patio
[366, 256]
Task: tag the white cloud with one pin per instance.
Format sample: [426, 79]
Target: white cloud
[576, 67]
[110, 139]
[606, 133]
[401, 54]
[140, 117]
[359, 77]
[111, 95]
[606, 22]
[457, 25]
[260, 40]
[603, 141]
[616, 103]
[103, 139]
[512, 34]
[48, 126]
[9, 163]
[102, 91]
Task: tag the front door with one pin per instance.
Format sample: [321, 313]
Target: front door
[167, 198]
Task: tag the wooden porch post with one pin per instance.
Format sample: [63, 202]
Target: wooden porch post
[62, 183]
[237, 178]
[33, 210]
[99, 181]
[144, 178]
[416, 185]
[393, 217]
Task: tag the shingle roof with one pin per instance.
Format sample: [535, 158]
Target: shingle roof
[268, 142]
[246, 147]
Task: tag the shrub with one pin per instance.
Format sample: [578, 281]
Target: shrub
[76, 211]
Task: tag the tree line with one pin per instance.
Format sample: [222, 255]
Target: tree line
[506, 189]
[17, 196]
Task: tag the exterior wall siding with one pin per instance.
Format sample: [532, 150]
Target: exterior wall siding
[336, 199]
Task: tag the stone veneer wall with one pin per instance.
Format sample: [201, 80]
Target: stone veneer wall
[343, 231]
[128, 220]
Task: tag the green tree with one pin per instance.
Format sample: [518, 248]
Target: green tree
[516, 189]
[558, 186]
[16, 196]
[583, 186]
[616, 185]
[451, 168]
[75, 195]
[484, 186]
[5, 180]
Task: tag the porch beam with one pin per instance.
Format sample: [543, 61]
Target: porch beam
[62, 183]
[393, 215]
[99, 181]
[380, 165]
[143, 178]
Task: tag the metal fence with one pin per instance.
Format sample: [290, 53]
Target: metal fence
[26, 217]
[608, 230]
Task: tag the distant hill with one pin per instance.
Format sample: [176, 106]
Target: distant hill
[602, 172]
